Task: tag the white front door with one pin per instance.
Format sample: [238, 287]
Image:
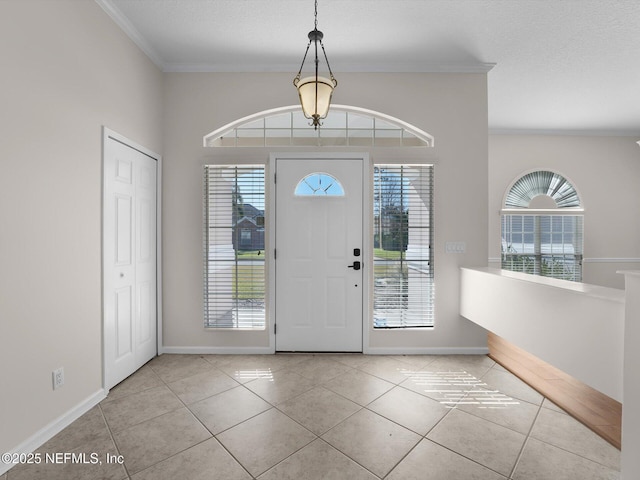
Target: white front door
[129, 260]
[319, 258]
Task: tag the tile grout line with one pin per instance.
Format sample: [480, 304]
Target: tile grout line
[216, 369]
[186, 406]
[463, 456]
[526, 440]
[353, 460]
[451, 409]
[272, 407]
[126, 470]
[319, 437]
[405, 455]
[166, 384]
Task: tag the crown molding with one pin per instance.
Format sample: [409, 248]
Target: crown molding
[128, 28]
[565, 132]
[337, 67]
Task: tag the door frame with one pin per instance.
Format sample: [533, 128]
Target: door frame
[105, 229]
[367, 234]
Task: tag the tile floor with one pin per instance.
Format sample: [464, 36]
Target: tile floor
[297, 417]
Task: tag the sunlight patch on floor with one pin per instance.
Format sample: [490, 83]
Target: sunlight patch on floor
[459, 388]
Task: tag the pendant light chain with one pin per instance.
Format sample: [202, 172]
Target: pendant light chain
[315, 103]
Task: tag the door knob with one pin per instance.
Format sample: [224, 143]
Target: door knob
[355, 266]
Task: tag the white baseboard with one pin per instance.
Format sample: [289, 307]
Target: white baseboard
[368, 351]
[427, 351]
[218, 350]
[48, 432]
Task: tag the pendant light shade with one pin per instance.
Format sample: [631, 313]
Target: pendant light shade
[315, 97]
[315, 91]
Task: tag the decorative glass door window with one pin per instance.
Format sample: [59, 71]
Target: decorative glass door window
[319, 184]
[403, 235]
[234, 242]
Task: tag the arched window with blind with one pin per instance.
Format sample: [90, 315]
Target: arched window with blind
[542, 227]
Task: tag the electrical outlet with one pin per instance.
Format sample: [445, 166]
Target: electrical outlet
[58, 378]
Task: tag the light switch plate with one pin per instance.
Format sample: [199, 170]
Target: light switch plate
[455, 247]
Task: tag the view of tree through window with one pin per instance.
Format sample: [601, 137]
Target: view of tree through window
[402, 238]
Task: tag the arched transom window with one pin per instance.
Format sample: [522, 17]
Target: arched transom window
[542, 189]
[542, 227]
[344, 126]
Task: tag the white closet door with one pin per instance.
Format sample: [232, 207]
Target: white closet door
[129, 260]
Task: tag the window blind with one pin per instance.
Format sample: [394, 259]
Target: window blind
[539, 243]
[403, 237]
[542, 182]
[547, 245]
[234, 236]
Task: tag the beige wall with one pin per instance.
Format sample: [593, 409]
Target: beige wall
[452, 107]
[604, 170]
[67, 70]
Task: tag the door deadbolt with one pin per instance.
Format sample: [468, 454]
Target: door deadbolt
[355, 266]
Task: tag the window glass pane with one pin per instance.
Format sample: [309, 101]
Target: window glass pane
[517, 223]
[299, 120]
[278, 121]
[383, 125]
[277, 136]
[359, 121]
[335, 120]
[234, 236]
[250, 138]
[403, 235]
[388, 138]
[259, 123]
[319, 184]
[554, 248]
[528, 223]
[332, 136]
[250, 132]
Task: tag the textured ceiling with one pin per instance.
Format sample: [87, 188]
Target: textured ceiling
[560, 65]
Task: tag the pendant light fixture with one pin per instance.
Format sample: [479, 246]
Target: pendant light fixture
[315, 91]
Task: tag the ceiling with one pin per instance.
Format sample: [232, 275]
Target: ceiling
[565, 66]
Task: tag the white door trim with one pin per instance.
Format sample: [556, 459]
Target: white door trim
[367, 247]
[106, 134]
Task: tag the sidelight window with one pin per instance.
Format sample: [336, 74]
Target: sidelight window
[234, 242]
[403, 239]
